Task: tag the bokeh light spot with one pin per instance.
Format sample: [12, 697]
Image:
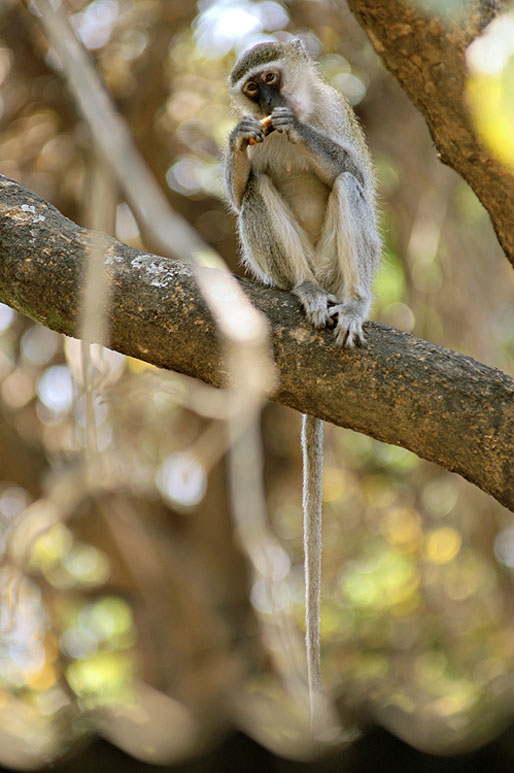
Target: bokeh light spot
[55, 389]
[181, 479]
[442, 545]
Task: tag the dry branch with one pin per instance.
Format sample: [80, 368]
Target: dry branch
[444, 406]
[427, 57]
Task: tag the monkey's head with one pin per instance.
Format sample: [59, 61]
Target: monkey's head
[272, 75]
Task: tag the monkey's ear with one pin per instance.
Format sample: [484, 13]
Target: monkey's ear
[300, 48]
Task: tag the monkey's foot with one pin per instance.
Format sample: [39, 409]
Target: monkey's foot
[315, 302]
[348, 332]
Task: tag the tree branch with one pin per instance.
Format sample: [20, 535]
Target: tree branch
[445, 407]
[427, 57]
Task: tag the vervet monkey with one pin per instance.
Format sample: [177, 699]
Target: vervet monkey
[299, 176]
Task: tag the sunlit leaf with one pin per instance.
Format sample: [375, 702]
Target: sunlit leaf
[491, 85]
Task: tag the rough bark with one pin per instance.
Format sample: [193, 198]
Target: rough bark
[444, 406]
[426, 54]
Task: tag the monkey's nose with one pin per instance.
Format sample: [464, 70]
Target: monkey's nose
[269, 98]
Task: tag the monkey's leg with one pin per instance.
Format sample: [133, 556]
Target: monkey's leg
[312, 449]
[277, 249]
[347, 254]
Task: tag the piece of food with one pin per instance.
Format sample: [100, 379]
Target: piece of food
[266, 125]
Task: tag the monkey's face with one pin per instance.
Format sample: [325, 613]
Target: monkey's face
[263, 89]
[273, 75]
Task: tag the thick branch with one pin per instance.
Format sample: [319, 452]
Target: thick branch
[427, 57]
[443, 406]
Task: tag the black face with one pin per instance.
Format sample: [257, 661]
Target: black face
[263, 88]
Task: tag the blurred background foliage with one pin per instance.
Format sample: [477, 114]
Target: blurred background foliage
[125, 603]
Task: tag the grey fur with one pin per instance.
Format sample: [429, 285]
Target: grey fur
[312, 448]
[305, 200]
[313, 173]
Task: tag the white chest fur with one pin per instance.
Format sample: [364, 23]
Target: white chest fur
[293, 177]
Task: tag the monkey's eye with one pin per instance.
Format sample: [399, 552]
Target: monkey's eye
[270, 77]
[250, 88]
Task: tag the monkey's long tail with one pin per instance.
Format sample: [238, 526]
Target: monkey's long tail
[312, 448]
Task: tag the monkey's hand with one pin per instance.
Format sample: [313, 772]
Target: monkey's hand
[248, 128]
[350, 317]
[283, 119]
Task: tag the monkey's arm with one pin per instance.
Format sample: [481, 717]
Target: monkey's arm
[237, 162]
[328, 159]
